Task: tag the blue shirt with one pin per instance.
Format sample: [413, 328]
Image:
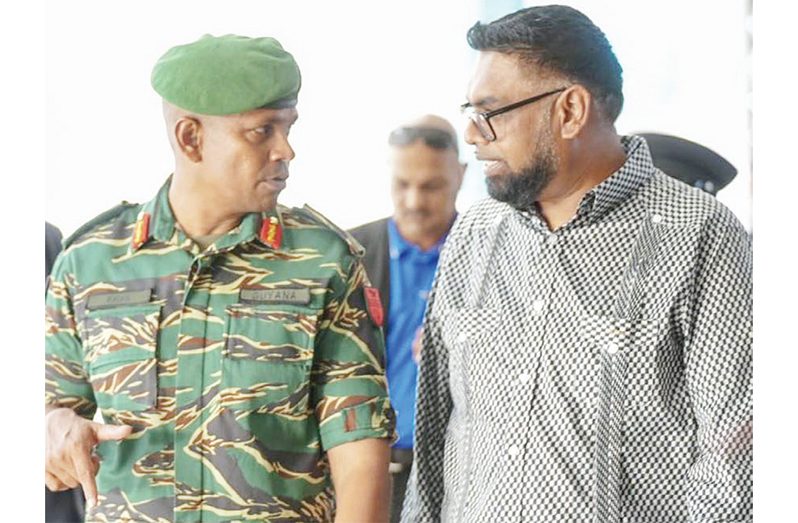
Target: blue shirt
[411, 272]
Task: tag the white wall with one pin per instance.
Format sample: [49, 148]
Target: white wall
[685, 73]
[366, 66]
[364, 69]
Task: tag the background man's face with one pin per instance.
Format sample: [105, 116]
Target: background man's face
[424, 187]
[245, 158]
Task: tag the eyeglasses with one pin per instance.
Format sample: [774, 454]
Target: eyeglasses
[435, 138]
[482, 120]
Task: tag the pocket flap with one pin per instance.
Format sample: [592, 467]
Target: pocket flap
[268, 353]
[468, 325]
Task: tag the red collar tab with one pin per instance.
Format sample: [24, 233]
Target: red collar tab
[374, 305]
[142, 231]
[271, 232]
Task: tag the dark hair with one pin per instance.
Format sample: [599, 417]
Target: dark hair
[562, 40]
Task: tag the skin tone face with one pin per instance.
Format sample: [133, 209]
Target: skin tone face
[524, 143]
[424, 187]
[547, 154]
[245, 158]
[228, 166]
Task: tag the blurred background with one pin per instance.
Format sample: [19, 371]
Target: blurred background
[366, 66]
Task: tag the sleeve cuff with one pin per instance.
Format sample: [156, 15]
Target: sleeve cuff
[372, 419]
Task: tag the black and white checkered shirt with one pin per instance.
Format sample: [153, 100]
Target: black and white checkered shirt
[601, 372]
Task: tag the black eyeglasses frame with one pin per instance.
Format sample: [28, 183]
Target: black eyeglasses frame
[482, 120]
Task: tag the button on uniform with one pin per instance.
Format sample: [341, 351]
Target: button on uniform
[612, 348]
[514, 451]
[523, 378]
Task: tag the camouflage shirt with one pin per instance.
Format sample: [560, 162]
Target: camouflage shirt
[238, 367]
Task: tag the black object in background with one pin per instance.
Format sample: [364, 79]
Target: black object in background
[65, 506]
[692, 163]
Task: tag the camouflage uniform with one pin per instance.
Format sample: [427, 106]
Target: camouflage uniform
[238, 367]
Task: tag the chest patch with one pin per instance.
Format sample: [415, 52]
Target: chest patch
[290, 295]
[110, 300]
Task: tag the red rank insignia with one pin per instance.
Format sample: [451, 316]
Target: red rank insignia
[142, 231]
[374, 305]
[271, 233]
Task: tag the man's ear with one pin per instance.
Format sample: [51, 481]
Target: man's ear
[574, 106]
[188, 137]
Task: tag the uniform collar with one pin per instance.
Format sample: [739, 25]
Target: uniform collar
[156, 221]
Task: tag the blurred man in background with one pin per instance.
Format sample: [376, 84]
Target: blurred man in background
[401, 257]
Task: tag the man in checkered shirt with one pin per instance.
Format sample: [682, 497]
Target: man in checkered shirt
[587, 345]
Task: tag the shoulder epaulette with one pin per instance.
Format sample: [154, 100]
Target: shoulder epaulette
[107, 215]
[354, 246]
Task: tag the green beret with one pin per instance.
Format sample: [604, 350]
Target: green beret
[227, 75]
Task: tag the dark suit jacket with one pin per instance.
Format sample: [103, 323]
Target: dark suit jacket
[374, 237]
[65, 506]
[52, 246]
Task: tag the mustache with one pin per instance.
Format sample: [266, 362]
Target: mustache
[414, 214]
[282, 169]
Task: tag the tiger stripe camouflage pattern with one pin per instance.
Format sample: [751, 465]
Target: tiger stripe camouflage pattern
[233, 402]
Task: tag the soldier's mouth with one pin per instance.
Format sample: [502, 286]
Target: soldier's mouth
[276, 184]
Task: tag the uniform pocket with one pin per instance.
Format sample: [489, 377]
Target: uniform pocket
[121, 355]
[267, 357]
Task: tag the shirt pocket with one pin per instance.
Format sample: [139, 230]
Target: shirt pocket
[476, 355]
[633, 344]
[267, 358]
[122, 359]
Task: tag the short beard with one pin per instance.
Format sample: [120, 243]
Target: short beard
[522, 189]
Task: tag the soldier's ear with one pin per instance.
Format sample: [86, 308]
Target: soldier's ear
[188, 137]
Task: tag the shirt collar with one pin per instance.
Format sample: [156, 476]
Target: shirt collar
[399, 246]
[157, 221]
[636, 171]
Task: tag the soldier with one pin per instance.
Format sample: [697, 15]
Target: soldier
[232, 345]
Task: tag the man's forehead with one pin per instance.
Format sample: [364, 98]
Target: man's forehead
[421, 151]
[496, 76]
[418, 158]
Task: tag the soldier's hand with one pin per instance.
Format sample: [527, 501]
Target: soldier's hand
[69, 441]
